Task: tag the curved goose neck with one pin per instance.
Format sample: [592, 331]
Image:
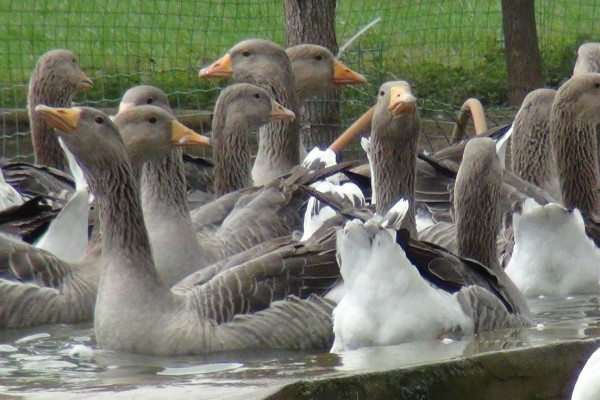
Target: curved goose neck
[530, 148]
[124, 234]
[163, 182]
[44, 89]
[574, 145]
[231, 149]
[394, 153]
[477, 205]
[279, 141]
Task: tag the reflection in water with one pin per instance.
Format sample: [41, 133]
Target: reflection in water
[42, 358]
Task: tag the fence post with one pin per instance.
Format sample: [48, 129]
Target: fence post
[523, 60]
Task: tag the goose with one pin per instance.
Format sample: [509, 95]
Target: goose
[39, 288]
[317, 71]
[266, 64]
[588, 58]
[568, 231]
[432, 292]
[436, 172]
[587, 386]
[55, 80]
[163, 188]
[573, 120]
[531, 157]
[549, 242]
[135, 311]
[531, 169]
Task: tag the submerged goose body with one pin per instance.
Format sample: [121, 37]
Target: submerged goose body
[440, 294]
[135, 312]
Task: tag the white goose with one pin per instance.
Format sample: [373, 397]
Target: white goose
[425, 292]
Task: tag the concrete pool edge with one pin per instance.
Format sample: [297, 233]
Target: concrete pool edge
[540, 372]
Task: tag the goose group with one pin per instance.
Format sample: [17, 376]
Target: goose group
[159, 277]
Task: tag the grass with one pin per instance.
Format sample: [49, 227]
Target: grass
[449, 50]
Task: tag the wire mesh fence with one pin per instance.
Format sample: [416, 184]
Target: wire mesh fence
[449, 50]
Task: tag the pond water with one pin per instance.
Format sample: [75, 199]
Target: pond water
[61, 361]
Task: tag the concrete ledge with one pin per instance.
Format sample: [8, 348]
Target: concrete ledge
[544, 372]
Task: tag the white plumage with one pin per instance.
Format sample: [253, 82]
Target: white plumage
[387, 301]
[317, 213]
[587, 386]
[552, 255]
[67, 235]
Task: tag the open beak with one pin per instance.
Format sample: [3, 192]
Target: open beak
[184, 136]
[343, 75]
[85, 83]
[219, 69]
[280, 113]
[64, 119]
[402, 101]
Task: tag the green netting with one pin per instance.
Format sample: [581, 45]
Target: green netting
[449, 50]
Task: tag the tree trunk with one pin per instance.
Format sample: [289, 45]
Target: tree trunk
[523, 60]
[313, 21]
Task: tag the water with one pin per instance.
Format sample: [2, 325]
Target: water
[61, 361]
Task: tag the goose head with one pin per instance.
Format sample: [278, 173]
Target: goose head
[149, 132]
[249, 61]
[316, 70]
[144, 94]
[61, 68]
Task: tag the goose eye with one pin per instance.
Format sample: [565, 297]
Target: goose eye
[257, 96]
[150, 101]
[597, 85]
[74, 60]
[152, 120]
[99, 119]
[319, 57]
[246, 53]
[382, 93]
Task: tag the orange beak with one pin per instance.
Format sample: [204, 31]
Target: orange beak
[342, 75]
[85, 83]
[280, 113]
[402, 101]
[183, 136]
[64, 119]
[219, 69]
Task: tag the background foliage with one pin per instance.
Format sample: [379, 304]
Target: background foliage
[449, 50]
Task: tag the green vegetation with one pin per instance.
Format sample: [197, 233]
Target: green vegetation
[449, 50]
